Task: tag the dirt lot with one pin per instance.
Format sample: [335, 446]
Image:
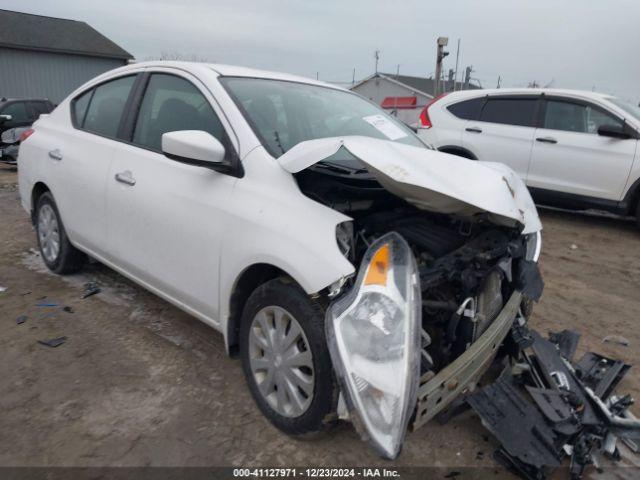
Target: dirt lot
[138, 382]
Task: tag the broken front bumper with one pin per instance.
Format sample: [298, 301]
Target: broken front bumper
[460, 377]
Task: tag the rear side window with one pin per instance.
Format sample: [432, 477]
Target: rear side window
[106, 106]
[509, 111]
[39, 108]
[80, 108]
[171, 104]
[467, 110]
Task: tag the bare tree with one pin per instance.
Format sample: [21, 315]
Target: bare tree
[185, 57]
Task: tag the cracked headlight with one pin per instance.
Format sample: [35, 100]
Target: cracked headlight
[374, 340]
[534, 246]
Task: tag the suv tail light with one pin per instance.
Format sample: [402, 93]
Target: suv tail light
[425, 121]
[26, 134]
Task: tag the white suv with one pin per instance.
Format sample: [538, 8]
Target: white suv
[573, 149]
[350, 266]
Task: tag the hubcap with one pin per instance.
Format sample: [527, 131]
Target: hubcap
[48, 233]
[281, 361]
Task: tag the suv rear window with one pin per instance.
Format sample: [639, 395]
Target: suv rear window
[467, 110]
[509, 111]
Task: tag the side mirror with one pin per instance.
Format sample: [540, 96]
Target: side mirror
[613, 131]
[5, 118]
[195, 147]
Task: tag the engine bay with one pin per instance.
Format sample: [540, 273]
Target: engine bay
[468, 267]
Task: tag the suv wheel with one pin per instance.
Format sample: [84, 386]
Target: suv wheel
[285, 358]
[56, 250]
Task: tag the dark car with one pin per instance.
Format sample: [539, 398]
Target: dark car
[17, 114]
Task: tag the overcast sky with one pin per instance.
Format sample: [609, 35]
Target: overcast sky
[569, 43]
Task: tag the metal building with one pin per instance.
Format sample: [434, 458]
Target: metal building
[403, 96]
[46, 57]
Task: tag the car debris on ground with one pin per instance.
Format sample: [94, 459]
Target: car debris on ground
[90, 288]
[21, 319]
[546, 407]
[619, 339]
[53, 342]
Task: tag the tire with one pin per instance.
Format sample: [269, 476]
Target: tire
[281, 300]
[65, 258]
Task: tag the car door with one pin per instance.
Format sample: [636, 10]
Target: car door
[166, 218]
[20, 115]
[503, 131]
[80, 154]
[569, 156]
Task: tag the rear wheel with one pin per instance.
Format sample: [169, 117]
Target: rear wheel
[56, 250]
[285, 358]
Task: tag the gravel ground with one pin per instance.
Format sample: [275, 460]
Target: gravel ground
[139, 382]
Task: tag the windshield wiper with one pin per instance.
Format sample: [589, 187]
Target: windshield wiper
[340, 168]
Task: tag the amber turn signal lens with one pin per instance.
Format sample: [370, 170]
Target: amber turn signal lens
[379, 267]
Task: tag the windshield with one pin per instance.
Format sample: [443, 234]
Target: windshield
[630, 108]
[284, 114]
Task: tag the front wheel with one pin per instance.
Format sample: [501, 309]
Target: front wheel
[56, 250]
[285, 358]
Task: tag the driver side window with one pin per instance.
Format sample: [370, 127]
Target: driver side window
[576, 117]
[170, 104]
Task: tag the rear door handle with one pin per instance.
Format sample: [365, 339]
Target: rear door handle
[55, 155]
[474, 129]
[125, 177]
[546, 140]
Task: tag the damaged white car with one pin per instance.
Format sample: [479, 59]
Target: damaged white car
[357, 273]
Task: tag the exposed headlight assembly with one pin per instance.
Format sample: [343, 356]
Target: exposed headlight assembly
[534, 246]
[374, 340]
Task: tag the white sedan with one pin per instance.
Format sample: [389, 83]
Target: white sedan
[344, 261]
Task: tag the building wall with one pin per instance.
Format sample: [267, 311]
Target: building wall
[26, 73]
[377, 89]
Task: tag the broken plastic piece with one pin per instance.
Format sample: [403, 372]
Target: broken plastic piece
[90, 288]
[567, 342]
[3, 289]
[502, 407]
[21, 319]
[46, 304]
[600, 373]
[619, 339]
[53, 342]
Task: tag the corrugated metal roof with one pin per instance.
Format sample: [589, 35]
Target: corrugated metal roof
[37, 32]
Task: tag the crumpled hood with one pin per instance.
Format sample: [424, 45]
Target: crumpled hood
[429, 179]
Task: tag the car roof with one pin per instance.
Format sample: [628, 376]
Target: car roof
[230, 71]
[528, 91]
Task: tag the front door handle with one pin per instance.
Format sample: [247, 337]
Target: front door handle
[474, 130]
[546, 140]
[125, 177]
[55, 155]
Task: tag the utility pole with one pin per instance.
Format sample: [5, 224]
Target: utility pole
[397, 71]
[450, 81]
[467, 76]
[441, 42]
[376, 55]
[455, 80]
[353, 80]
[499, 81]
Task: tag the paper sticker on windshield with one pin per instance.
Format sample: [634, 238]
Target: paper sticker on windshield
[384, 126]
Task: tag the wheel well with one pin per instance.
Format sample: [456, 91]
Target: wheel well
[459, 151]
[250, 279]
[38, 189]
